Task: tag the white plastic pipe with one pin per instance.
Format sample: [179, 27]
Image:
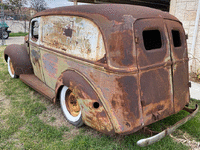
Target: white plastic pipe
[75, 2]
[194, 37]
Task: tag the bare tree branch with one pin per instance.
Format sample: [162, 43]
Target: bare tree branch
[38, 5]
[16, 5]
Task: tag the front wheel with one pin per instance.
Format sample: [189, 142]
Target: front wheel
[70, 107]
[11, 68]
[5, 34]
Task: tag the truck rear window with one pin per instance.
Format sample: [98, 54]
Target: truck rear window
[176, 38]
[152, 39]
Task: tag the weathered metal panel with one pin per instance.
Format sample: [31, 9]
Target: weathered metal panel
[95, 117]
[122, 105]
[50, 63]
[35, 57]
[156, 94]
[179, 67]
[122, 54]
[118, 93]
[155, 78]
[181, 85]
[150, 58]
[20, 59]
[76, 36]
[35, 54]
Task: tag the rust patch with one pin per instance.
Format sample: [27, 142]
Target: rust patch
[93, 77]
[128, 85]
[121, 49]
[94, 117]
[67, 32]
[155, 86]
[35, 56]
[181, 89]
[50, 64]
[20, 59]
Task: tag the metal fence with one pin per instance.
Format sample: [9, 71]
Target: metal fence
[14, 22]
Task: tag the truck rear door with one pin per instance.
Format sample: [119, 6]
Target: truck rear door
[154, 65]
[179, 64]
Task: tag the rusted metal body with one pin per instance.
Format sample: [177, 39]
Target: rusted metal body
[20, 59]
[99, 52]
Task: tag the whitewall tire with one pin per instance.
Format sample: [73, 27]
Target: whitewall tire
[70, 107]
[11, 69]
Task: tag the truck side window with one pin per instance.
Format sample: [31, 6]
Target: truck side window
[176, 38]
[152, 39]
[35, 29]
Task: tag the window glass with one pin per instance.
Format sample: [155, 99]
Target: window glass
[35, 29]
[176, 38]
[152, 39]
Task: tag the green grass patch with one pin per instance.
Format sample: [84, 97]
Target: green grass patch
[86, 142]
[18, 34]
[23, 125]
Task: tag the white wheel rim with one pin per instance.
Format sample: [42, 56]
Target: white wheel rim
[5, 35]
[64, 108]
[9, 69]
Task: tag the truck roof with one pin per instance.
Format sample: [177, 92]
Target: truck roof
[109, 11]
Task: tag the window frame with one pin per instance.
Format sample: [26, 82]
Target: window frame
[32, 39]
[162, 35]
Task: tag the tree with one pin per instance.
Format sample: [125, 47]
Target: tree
[38, 5]
[16, 5]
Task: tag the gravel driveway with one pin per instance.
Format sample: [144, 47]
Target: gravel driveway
[13, 40]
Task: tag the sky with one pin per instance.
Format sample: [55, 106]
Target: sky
[58, 3]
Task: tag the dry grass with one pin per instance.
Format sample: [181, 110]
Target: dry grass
[188, 141]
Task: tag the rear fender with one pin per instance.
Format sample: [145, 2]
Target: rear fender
[20, 59]
[92, 109]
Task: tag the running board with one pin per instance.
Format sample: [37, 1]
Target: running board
[35, 83]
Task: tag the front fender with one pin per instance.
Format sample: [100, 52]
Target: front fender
[92, 109]
[20, 59]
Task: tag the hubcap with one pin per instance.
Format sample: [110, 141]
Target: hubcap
[72, 104]
[5, 35]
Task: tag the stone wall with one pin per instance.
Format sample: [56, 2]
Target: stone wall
[185, 11]
[17, 26]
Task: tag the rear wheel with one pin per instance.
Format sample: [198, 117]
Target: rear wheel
[70, 107]
[11, 68]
